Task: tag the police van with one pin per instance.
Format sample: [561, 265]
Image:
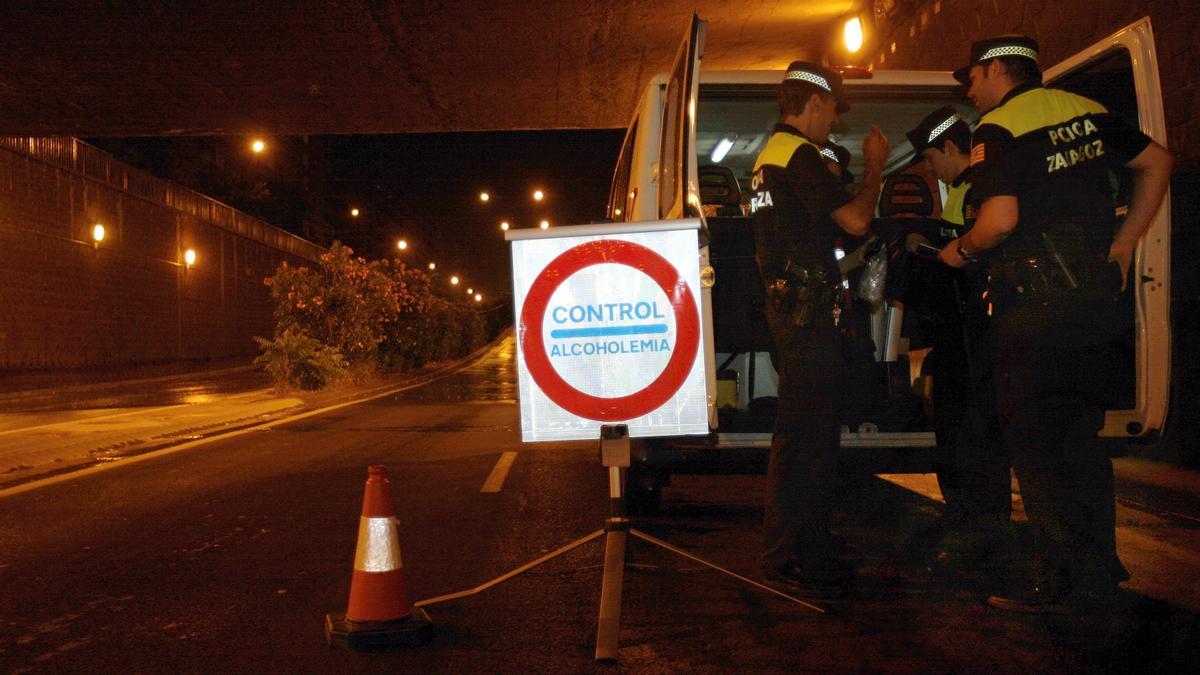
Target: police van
[688, 153]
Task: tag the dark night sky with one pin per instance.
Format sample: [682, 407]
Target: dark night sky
[422, 187]
[426, 188]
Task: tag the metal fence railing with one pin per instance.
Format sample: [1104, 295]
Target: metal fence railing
[73, 155]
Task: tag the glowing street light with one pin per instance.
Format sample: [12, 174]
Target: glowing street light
[189, 258]
[354, 213]
[432, 265]
[478, 297]
[402, 245]
[454, 280]
[504, 226]
[538, 195]
[97, 233]
[257, 146]
[545, 225]
[483, 196]
[852, 34]
[470, 291]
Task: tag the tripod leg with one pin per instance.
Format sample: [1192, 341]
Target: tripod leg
[610, 595]
[500, 579]
[678, 551]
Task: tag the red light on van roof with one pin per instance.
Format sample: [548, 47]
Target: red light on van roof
[854, 72]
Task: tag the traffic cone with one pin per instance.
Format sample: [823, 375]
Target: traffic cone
[378, 614]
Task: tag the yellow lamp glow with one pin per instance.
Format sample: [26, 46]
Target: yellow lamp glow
[852, 34]
[98, 232]
[189, 257]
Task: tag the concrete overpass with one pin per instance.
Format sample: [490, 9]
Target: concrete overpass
[368, 66]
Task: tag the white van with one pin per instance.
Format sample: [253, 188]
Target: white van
[679, 121]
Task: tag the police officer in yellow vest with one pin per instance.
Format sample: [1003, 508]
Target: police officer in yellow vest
[974, 477]
[800, 209]
[1059, 289]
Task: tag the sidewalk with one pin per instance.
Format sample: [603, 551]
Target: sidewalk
[54, 430]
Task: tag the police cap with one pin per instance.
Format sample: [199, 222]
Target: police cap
[934, 127]
[819, 76]
[838, 155]
[993, 48]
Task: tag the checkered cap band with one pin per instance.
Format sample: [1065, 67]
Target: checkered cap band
[1009, 50]
[829, 154]
[941, 128]
[811, 78]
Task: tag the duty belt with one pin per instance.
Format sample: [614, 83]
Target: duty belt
[800, 294]
[1049, 274]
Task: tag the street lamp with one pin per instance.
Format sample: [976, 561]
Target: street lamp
[504, 226]
[478, 297]
[545, 225]
[852, 34]
[257, 146]
[470, 291]
[454, 280]
[538, 195]
[97, 233]
[354, 213]
[484, 196]
[432, 266]
[402, 245]
[189, 258]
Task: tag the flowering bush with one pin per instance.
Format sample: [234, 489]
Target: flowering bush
[297, 361]
[356, 316]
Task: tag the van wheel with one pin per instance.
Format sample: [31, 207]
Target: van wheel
[643, 489]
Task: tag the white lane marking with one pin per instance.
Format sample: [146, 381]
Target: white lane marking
[495, 480]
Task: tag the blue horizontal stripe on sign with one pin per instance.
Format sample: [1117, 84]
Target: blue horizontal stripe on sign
[609, 331]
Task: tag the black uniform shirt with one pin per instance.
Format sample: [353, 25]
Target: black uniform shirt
[794, 195]
[1053, 150]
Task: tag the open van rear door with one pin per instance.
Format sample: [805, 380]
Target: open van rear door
[678, 184]
[1121, 72]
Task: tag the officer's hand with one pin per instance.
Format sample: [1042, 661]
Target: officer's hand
[949, 255]
[1123, 256]
[876, 147]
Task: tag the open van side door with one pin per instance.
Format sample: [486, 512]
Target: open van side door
[1121, 72]
[678, 184]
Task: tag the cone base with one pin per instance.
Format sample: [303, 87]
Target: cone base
[412, 631]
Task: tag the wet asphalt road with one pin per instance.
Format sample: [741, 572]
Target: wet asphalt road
[227, 557]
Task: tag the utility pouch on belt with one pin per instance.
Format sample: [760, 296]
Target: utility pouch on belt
[801, 295]
[1049, 275]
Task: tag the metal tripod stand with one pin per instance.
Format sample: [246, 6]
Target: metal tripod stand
[615, 455]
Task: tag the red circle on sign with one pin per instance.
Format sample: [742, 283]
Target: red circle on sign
[687, 329]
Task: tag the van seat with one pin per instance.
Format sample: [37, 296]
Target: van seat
[739, 323]
[719, 187]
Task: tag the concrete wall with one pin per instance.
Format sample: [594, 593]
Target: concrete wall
[128, 300]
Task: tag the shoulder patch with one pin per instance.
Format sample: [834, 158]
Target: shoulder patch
[978, 153]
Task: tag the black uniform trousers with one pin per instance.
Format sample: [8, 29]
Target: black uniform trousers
[802, 468]
[1058, 359]
[973, 471]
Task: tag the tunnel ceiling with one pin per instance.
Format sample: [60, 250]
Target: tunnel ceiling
[346, 67]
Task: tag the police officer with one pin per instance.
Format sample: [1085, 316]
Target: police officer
[1061, 302]
[974, 479]
[800, 208]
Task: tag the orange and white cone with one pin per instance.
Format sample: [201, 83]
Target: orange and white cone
[378, 614]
